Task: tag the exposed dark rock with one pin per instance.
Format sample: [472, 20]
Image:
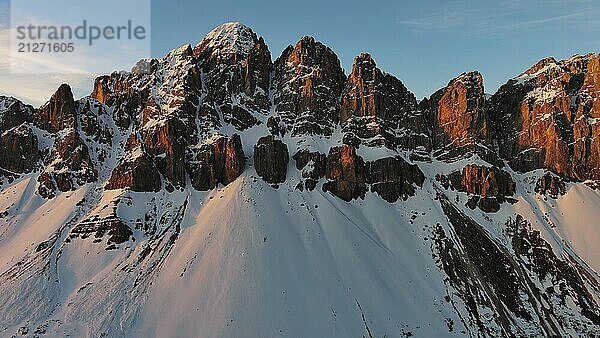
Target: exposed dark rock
[308, 82]
[18, 150]
[551, 184]
[137, 174]
[237, 66]
[392, 178]
[539, 255]
[312, 165]
[91, 113]
[72, 166]
[165, 143]
[220, 161]
[345, 173]
[377, 108]
[99, 227]
[490, 186]
[13, 113]
[58, 113]
[271, 159]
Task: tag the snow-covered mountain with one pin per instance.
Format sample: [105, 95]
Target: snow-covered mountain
[217, 193]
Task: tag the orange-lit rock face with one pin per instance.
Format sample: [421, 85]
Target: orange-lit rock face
[461, 117]
[488, 187]
[59, 112]
[346, 173]
[547, 117]
[309, 81]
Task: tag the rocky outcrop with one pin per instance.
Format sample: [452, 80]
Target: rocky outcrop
[460, 116]
[137, 174]
[308, 82]
[237, 65]
[72, 167]
[99, 227]
[165, 143]
[18, 150]
[546, 118]
[488, 187]
[377, 109]
[271, 159]
[219, 160]
[13, 113]
[312, 165]
[393, 178]
[58, 113]
[550, 184]
[345, 173]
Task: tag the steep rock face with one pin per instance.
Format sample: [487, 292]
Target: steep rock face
[308, 82]
[165, 142]
[138, 174]
[58, 113]
[219, 160]
[377, 109]
[18, 150]
[392, 178]
[312, 165]
[461, 117]
[546, 118]
[13, 113]
[490, 186]
[236, 67]
[271, 159]
[71, 168]
[551, 184]
[345, 173]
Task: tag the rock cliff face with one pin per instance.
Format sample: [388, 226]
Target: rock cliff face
[308, 82]
[377, 109]
[236, 66]
[138, 174]
[13, 113]
[271, 159]
[71, 168]
[459, 119]
[59, 112]
[489, 186]
[550, 184]
[393, 178]
[345, 173]
[221, 160]
[546, 118]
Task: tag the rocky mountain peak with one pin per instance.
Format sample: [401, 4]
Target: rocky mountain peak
[377, 109]
[230, 38]
[308, 82]
[13, 112]
[58, 113]
[459, 114]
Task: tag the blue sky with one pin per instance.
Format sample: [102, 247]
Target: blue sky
[424, 43]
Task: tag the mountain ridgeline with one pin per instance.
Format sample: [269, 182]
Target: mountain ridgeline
[207, 118]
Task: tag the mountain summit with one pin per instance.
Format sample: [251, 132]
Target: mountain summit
[215, 192]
